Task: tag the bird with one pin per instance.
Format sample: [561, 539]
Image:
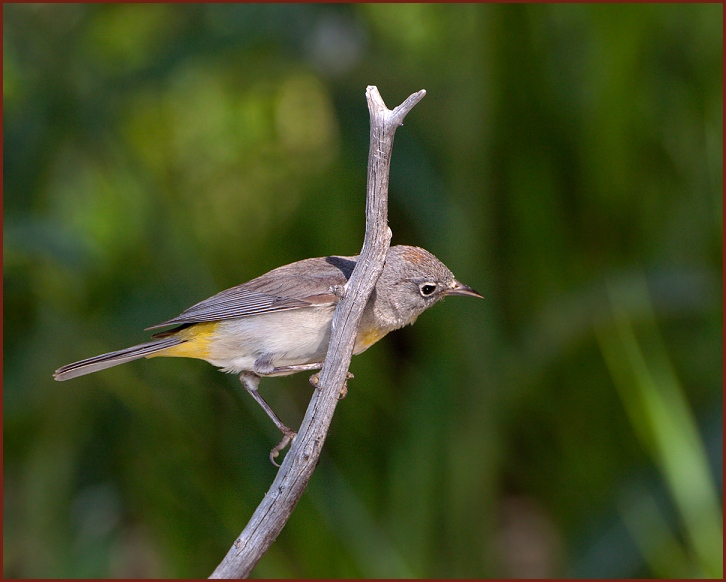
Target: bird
[279, 323]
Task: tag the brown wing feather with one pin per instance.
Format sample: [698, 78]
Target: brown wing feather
[294, 286]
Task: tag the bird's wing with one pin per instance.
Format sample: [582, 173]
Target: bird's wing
[294, 286]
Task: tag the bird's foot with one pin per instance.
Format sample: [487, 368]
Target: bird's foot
[315, 381]
[288, 436]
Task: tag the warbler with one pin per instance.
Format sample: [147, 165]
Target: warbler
[279, 323]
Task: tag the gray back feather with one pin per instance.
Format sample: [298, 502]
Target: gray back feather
[298, 285]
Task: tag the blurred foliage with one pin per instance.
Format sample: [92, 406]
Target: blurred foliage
[566, 162]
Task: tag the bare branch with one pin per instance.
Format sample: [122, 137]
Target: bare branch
[297, 468]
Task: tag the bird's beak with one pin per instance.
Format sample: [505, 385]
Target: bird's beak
[461, 289]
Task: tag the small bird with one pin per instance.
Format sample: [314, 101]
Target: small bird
[279, 323]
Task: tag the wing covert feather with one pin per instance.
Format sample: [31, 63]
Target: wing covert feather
[297, 285]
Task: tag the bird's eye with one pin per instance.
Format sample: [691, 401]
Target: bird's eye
[427, 289]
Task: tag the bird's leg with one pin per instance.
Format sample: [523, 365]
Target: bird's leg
[285, 370]
[251, 381]
[315, 381]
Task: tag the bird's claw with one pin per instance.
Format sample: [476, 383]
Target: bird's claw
[315, 381]
[289, 435]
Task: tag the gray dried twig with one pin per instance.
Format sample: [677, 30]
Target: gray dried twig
[297, 468]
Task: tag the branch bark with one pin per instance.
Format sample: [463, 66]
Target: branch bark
[286, 490]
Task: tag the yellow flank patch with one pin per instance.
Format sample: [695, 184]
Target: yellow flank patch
[196, 345]
[366, 338]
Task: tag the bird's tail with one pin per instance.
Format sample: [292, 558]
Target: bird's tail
[114, 358]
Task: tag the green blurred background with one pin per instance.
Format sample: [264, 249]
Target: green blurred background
[566, 163]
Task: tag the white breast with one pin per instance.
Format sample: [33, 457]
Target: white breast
[297, 336]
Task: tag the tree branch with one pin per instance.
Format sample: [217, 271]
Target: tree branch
[286, 490]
